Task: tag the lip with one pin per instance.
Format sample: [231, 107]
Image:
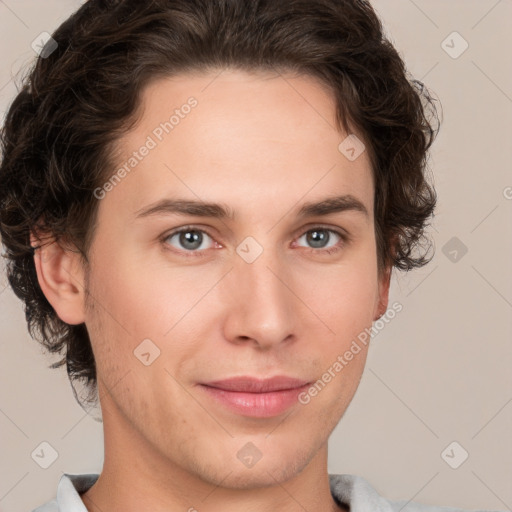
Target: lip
[254, 397]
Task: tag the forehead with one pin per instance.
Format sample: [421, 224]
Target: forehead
[239, 138]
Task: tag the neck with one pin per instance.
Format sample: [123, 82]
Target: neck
[136, 477]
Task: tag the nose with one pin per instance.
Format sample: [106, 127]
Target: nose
[262, 308]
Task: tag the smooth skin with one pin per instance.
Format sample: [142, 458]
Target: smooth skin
[262, 145]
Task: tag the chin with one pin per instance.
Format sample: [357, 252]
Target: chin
[259, 478]
[275, 468]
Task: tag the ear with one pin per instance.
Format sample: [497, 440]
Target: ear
[60, 275]
[383, 294]
[382, 300]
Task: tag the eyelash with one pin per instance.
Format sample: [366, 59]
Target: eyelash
[196, 253]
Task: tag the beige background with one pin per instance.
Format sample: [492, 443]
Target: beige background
[439, 372]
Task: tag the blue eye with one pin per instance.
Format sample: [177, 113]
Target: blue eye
[320, 236]
[192, 241]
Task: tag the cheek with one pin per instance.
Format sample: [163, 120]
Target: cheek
[135, 302]
[343, 296]
[138, 299]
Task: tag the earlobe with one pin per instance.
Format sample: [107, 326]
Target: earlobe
[383, 298]
[61, 278]
[385, 281]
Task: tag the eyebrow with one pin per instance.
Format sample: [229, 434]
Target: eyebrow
[221, 211]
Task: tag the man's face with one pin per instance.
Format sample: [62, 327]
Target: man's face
[256, 295]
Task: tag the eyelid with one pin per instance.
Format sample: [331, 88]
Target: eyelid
[185, 228]
[342, 233]
[328, 227]
[345, 239]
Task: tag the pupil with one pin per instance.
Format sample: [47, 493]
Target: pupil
[191, 237]
[318, 237]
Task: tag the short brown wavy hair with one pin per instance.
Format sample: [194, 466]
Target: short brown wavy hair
[75, 103]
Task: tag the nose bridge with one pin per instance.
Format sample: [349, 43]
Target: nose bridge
[265, 277]
[263, 306]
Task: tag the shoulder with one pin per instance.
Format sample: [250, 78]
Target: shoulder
[361, 496]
